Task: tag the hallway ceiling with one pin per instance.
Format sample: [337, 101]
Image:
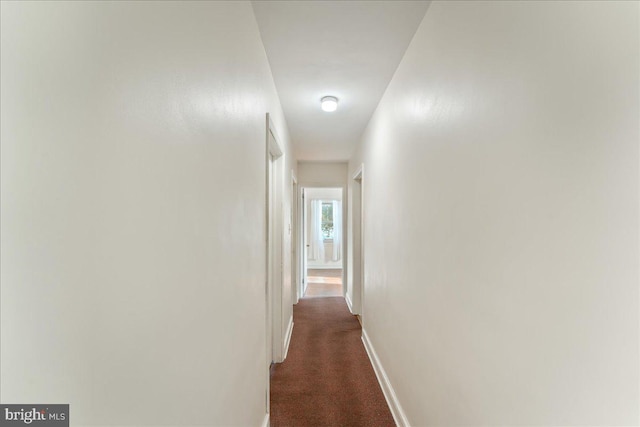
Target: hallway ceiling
[348, 49]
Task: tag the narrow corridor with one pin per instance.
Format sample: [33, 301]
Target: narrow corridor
[326, 379]
[179, 180]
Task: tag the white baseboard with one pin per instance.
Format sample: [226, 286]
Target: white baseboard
[265, 422]
[349, 303]
[389, 394]
[287, 338]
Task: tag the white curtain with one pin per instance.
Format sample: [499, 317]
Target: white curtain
[316, 241]
[337, 230]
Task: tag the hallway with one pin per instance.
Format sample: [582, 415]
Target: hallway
[327, 379]
[481, 161]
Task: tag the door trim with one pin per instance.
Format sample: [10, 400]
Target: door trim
[274, 244]
[357, 225]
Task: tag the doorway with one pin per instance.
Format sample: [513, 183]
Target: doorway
[274, 250]
[355, 295]
[293, 228]
[323, 242]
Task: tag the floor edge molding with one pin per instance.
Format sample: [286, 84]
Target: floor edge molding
[287, 338]
[389, 394]
[349, 303]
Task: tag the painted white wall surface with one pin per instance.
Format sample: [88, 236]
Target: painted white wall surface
[133, 210]
[322, 174]
[325, 194]
[501, 216]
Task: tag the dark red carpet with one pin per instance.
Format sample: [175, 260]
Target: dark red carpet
[327, 379]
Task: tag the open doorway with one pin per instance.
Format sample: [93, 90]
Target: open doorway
[275, 348]
[355, 293]
[323, 241]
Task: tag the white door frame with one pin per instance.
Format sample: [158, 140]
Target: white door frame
[358, 236]
[293, 229]
[303, 231]
[304, 252]
[274, 249]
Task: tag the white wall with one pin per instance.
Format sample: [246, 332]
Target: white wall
[133, 210]
[324, 194]
[501, 216]
[322, 174]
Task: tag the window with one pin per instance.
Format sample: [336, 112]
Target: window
[327, 220]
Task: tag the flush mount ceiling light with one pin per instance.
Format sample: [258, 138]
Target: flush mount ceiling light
[329, 103]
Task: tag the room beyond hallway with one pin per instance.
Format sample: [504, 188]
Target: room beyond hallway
[327, 379]
[324, 283]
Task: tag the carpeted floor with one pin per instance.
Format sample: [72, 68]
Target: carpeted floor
[327, 379]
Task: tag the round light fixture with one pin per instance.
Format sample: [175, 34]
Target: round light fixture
[329, 103]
